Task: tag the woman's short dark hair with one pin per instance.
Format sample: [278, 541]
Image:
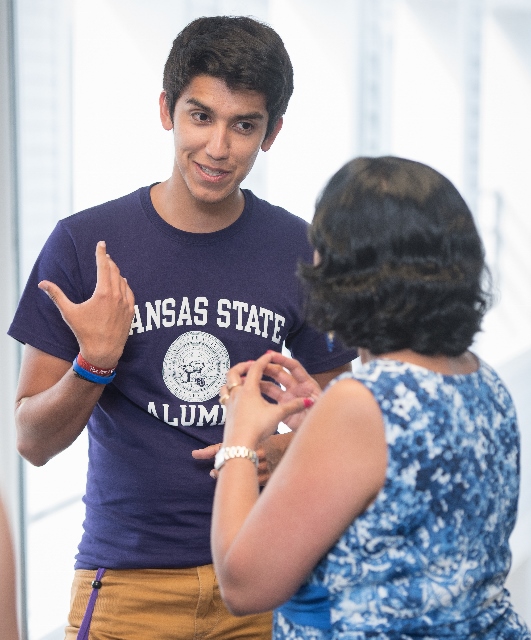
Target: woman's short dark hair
[401, 264]
[241, 51]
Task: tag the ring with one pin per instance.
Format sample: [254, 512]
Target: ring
[231, 386]
[224, 398]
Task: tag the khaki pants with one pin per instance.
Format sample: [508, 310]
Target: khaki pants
[160, 604]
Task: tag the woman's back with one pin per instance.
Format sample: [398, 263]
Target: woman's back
[429, 557]
[398, 493]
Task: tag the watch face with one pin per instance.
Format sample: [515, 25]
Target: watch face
[220, 458]
[227, 453]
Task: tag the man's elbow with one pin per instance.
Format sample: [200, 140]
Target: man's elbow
[31, 452]
[28, 446]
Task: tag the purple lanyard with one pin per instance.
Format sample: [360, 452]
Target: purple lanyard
[83, 632]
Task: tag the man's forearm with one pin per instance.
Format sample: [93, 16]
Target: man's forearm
[48, 422]
[327, 376]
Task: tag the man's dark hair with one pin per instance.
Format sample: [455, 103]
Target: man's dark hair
[244, 53]
[401, 262]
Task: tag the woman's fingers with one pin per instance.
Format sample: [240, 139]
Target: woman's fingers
[255, 372]
[271, 390]
[296, 384]
[279, 374]
[304, 386]
[294, 406]
[293, 366]
[251, 370]
[272, 364]
[238, 371]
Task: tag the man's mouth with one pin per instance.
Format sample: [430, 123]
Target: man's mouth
[213, 173]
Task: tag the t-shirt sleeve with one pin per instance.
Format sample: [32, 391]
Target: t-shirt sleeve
[37, 321]
[310, 348]
[305, 343]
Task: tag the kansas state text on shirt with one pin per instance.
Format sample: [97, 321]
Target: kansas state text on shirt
[230, 313]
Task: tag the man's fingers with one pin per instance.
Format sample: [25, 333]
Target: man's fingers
[107, 271]
[264, 472]
[56, 295]
[129, 295]
[102, 264]
[108, 277]
[207, 453]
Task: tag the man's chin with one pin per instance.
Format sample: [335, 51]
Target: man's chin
[213, 197]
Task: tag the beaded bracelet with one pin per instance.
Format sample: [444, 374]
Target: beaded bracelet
[88, 373]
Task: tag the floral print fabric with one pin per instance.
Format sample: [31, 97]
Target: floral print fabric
[428, 559]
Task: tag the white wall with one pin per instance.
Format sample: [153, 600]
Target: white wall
[10, 476]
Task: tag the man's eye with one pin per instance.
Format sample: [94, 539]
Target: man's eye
[201, 117]
[244, 126]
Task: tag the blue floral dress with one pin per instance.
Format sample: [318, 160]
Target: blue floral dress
[429, 557]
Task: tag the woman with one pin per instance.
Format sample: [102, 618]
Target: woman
[8, 615]
[390, 513]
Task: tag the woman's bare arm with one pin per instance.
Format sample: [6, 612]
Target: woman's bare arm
[8, 608]
[265, 546]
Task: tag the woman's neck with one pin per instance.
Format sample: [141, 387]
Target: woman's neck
[463, 364]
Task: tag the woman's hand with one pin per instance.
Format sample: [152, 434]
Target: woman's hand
[250, 418]
[296, 383]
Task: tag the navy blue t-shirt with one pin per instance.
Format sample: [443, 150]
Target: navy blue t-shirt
[203, 302]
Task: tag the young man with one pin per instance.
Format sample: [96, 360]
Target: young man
[206, 279]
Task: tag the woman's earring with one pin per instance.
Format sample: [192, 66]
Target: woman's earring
[330, 341]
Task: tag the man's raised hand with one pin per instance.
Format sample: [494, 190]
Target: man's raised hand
[101, 324]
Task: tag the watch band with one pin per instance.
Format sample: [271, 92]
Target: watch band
[227, 453]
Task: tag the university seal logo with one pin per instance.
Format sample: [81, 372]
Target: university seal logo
[195, 365]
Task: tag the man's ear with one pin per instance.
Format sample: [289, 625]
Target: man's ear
[266, 144]
[165, 117]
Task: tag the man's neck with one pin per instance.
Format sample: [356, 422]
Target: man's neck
[175, 205]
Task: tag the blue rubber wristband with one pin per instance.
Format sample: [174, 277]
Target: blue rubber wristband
[92, 377]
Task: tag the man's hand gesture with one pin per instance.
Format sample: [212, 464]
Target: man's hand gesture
[101, 324]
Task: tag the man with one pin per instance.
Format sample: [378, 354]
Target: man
[208, 280]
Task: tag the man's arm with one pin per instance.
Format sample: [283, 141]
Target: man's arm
[324, 378]
[53, 404]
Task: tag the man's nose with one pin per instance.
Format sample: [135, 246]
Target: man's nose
[218, 142]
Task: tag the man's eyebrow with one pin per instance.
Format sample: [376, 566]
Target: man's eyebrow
[199, 105]
[254, 115]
